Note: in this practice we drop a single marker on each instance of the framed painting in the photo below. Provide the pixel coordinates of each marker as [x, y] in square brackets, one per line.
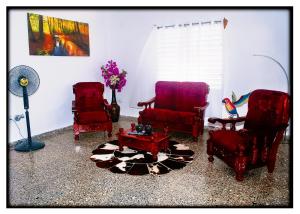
[49, 36]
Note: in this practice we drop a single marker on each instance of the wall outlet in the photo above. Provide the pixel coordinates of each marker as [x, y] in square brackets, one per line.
[18, 117]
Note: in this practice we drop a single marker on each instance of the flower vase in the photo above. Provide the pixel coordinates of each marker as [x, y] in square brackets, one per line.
[115, 108]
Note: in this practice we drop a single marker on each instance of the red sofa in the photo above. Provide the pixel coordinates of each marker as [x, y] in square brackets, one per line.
[91, 110]
[178, 105]
[257, 143]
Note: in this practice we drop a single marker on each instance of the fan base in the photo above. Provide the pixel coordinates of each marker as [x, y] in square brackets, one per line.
[24, 146]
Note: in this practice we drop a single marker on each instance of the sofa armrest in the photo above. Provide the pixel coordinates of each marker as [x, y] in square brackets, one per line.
[224, 121]
[147, 104]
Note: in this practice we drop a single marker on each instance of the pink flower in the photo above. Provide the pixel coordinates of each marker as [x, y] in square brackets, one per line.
[112, 76]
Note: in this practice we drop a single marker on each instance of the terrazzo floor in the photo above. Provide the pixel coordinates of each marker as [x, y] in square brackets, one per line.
[62, 175]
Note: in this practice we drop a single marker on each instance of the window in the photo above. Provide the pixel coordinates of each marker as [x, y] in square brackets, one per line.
[192, 53]
[182, 53]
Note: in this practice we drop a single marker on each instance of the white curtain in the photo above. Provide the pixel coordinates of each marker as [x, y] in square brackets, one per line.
[191, 53]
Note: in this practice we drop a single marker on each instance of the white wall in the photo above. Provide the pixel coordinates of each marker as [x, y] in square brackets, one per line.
[121, 34]
[50, 106]
[248, 32]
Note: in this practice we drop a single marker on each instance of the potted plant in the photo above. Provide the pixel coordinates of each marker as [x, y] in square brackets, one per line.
[116, 80]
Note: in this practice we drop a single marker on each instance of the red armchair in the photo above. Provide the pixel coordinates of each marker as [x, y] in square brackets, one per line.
[256, 144]
[178, 105]
[91, 111]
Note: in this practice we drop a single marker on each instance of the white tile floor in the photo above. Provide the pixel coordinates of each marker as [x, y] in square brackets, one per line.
[62, 174]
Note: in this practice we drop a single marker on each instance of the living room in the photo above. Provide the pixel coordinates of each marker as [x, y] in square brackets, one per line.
[250, 49]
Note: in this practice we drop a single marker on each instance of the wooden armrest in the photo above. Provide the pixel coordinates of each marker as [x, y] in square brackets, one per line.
[149, 102]
[106, 104]
[73, 106]
[201, 108]
[225, 121]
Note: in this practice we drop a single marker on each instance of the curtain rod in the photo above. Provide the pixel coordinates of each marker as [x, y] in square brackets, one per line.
[225, 21]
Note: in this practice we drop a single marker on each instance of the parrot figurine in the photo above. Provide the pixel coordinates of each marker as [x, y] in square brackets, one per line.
[231, 105]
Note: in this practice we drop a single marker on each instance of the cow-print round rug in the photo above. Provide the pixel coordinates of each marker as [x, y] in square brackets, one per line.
[136, 162]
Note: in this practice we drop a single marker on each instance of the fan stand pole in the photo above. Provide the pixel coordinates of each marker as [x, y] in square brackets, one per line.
[29, 140]
[28, 145]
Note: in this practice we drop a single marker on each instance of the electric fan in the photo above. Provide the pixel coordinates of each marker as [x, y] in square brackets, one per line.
[23, 82]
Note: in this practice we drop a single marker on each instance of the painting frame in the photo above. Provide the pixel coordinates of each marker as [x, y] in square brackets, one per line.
[51, 36]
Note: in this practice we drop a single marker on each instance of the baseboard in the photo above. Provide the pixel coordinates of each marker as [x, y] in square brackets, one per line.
[286, 139]
[43, 135]
[128, 117]
[60, 130]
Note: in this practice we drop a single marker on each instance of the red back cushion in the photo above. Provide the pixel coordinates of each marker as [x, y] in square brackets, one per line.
[165, 94]
[267, 110]
[180, 96]
[190, 95]
[88, 96]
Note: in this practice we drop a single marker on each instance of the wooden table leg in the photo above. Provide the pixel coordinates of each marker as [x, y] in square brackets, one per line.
[154, 154]
[120, 143]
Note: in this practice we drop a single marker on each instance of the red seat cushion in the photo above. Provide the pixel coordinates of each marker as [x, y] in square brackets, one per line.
[92, 117]
[168, 116]
[227, 139]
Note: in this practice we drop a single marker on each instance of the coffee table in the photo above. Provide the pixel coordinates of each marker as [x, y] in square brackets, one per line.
[153, 143]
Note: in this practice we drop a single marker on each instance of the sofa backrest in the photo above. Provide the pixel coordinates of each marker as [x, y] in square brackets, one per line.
[165, 94]
[88, 96]
[180, 96]
[267, 110]
[266, 119]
